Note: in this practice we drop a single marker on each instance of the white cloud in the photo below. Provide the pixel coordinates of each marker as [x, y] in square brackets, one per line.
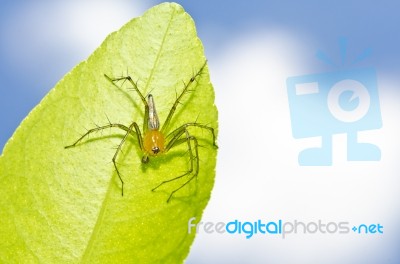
[66, 31]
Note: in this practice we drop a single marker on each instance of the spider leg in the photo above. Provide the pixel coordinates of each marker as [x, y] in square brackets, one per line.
[135, 87]
[128, 131]
[196, 157]
[95, 130]
[178, 132]
[119, 149]
[193, 166]
[178, 99]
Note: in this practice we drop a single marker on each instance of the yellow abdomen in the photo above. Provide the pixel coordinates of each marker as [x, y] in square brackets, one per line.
[153, 142]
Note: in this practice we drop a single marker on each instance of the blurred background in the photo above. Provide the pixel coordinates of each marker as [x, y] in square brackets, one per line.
[252, 47]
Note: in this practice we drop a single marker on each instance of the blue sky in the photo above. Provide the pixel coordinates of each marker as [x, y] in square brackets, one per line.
[34, 57]
[252, 48]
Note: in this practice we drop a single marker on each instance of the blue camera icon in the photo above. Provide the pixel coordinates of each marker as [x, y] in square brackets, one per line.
[330, 103]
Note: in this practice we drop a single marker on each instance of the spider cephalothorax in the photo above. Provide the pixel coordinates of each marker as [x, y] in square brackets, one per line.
[154, 141]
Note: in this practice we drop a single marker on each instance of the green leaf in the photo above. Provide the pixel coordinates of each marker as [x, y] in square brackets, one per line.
[64, 205]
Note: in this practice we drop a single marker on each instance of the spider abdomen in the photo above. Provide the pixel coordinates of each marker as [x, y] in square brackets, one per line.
[153, 142]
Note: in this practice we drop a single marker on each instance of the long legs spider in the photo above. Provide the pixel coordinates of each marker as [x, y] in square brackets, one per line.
[154, 142]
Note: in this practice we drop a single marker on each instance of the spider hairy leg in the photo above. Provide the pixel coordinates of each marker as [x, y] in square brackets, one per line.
[178, 99]
[180, 130]
[136, 89]
[133, 125]
[128, 130]
[95, 130]
[194, 166]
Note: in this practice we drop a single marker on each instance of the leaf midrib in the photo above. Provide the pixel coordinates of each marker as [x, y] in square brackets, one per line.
[100, 218]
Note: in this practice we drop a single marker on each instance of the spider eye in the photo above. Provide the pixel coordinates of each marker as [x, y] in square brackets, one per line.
[155, 150]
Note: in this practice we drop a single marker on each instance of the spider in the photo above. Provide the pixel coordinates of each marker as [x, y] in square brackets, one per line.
[155, 141]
